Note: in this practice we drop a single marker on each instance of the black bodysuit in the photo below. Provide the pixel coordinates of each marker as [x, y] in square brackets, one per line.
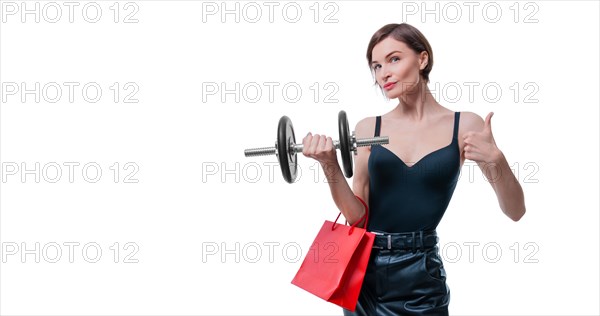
[405, 275]
[406, 199]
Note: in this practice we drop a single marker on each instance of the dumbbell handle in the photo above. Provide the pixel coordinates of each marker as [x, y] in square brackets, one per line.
[362, 142]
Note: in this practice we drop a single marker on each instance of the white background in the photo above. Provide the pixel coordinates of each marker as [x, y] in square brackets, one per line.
[197, 196]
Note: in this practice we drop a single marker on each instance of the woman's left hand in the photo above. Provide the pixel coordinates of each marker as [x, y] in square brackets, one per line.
[480, 146]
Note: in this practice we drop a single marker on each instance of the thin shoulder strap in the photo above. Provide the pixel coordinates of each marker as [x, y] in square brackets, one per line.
[456, 120]
[377, 125]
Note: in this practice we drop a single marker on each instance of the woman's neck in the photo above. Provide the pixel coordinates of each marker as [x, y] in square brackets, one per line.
[417, 106]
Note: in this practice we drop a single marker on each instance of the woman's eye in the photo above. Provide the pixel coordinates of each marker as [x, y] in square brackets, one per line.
[376, 66]
[395, 58]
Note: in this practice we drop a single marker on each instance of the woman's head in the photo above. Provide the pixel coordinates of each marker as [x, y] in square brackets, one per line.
[399, 56]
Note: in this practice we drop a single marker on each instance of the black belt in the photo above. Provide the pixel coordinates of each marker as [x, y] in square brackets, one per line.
[405, 241]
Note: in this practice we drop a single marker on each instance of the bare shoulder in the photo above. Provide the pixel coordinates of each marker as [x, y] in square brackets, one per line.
[470, 121]
[365, 127]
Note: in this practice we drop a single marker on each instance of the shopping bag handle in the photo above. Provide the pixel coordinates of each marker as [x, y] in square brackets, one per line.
[365, 217]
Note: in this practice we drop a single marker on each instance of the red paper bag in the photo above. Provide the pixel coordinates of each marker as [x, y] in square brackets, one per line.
[334, 267]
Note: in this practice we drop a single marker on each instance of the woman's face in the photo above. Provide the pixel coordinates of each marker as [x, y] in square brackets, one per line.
[396, 67]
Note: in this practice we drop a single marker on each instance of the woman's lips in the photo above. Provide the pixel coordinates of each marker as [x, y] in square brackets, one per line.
[389, 86]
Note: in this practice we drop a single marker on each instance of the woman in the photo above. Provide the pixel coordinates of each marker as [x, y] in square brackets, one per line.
[408, 183]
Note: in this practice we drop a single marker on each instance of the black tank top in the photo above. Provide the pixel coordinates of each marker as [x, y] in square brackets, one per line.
[406, 199]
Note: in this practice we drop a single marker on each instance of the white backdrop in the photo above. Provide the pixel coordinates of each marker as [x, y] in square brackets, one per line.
[125, 190]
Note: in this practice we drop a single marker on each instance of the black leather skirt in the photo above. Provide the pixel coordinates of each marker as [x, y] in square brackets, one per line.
[405, 276]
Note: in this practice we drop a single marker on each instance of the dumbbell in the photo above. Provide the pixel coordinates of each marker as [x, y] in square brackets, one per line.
[286, 148]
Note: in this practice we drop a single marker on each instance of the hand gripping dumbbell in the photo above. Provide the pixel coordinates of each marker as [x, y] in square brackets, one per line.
[286, 148]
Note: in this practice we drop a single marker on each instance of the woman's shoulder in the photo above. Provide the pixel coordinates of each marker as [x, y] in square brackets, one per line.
[365, 127]
[470, 121]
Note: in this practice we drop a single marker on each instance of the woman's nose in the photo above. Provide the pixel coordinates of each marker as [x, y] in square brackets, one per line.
[385, 73]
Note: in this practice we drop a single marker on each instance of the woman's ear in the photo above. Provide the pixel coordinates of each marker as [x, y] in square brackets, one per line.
[423, 60]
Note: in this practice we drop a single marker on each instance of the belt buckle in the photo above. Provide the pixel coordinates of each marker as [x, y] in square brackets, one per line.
[389, 240]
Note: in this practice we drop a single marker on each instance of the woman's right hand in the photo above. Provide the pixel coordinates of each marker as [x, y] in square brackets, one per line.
[320, 148]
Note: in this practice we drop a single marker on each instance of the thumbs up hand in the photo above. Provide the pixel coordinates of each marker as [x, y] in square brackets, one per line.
[480, 146]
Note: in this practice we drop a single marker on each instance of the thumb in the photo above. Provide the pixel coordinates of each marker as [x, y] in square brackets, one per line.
[488, 122]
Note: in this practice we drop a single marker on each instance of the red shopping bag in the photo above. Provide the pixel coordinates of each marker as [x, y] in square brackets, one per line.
[334, 267]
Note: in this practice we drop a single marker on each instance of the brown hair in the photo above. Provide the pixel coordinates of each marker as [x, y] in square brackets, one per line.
[407, 34]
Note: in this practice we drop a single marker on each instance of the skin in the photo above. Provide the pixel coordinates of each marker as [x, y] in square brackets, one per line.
[417, 126]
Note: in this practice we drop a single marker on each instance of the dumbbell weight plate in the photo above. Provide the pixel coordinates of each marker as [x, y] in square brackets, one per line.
[345, 143]
[285, 154]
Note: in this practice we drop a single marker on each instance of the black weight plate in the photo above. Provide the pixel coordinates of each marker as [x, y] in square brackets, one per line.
[285, 142]
[345, 143]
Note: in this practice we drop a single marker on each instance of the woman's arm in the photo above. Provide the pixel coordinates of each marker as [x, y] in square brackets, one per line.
[344, 197]
[508, 190]
[479, 146]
